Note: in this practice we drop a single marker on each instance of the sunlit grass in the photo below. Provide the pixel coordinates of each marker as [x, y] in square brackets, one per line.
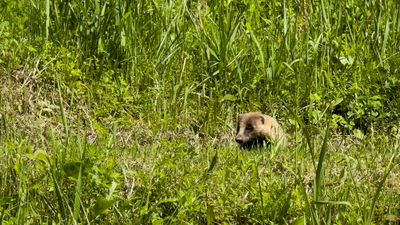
[123, 112]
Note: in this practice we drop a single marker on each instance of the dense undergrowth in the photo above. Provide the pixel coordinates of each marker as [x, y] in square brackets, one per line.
[124, 111]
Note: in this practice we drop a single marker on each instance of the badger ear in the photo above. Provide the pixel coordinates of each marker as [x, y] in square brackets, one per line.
[262, 119]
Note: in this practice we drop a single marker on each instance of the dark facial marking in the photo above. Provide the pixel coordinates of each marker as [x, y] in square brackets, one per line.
[249, 127]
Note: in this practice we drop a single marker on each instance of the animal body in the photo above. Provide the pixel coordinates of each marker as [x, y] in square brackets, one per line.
[256, 129]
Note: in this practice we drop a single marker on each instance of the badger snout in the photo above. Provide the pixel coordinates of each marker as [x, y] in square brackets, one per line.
[239, 139]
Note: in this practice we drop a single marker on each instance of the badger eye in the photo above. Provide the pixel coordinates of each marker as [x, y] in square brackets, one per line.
[249, 127]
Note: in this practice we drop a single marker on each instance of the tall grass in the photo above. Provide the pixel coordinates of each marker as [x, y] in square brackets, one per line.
[236, 52]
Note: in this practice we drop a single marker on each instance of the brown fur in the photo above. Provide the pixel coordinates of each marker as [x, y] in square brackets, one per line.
[255, 129]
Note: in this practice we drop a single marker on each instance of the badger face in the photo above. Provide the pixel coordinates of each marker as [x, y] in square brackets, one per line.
[250, 130]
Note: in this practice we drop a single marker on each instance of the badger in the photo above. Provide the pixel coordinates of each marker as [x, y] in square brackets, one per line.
[257, 130]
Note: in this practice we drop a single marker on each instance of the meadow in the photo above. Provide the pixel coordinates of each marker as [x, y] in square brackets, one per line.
[124, 112]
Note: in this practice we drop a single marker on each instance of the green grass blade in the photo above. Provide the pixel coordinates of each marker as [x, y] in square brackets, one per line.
[319, 172]
[77, 201]
[62, 110]
[379, 189]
